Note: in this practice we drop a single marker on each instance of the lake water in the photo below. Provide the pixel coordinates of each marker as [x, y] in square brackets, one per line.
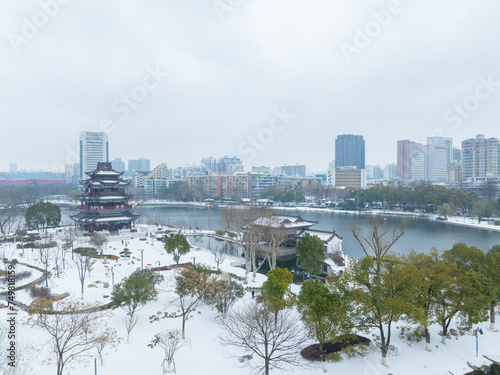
[420, 234]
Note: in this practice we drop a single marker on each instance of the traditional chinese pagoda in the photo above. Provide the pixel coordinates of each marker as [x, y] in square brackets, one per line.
[104, 205]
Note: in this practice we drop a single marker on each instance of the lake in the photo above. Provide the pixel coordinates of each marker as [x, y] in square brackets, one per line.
[420, 234]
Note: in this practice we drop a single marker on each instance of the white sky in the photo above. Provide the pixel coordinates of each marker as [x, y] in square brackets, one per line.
[229, 72]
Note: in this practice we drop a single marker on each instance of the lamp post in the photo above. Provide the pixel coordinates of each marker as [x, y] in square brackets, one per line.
[142, 251]
[112, 278]
[477, 331]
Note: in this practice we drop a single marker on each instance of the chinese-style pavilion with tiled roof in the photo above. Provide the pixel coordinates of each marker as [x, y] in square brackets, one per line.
[104, 206]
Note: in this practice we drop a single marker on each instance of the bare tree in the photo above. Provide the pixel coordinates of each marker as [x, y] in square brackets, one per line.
[98, 240]
[253, 329]
[75, 329]
[219, 256]
[46, 254]
[275, 235]
[239, 220]
[9, 214]
[108, 338]
[379, 238]
[84, 264]
[170, 342]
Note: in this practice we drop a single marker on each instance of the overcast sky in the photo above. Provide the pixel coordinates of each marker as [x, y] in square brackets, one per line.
[269, 81]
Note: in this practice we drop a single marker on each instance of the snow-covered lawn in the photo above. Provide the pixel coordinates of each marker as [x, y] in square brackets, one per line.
[205, 355]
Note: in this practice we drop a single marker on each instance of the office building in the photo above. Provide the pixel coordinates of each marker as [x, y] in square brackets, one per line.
[350, 177]
[94, 149]
[411, 160]
[350, 151]
[439, 152]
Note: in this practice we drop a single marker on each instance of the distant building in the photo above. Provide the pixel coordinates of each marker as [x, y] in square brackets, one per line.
[162, 172]
[227, 165]
[142, 164]
[350, 177]
[118, 165]
[480, 157]
[330, 177]
[374, 172]
[262, 169]
[350, 151]
[72, 173]
[438, 156]
[298, 170]
[391, 171]
[454, 171]
[457, 155]
[94, 149]
[12, 168]
[411, 160]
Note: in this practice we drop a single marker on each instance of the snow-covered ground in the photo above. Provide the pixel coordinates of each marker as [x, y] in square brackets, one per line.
[205, 355]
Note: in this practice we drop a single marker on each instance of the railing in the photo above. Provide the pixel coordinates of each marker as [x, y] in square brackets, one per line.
[104, 208]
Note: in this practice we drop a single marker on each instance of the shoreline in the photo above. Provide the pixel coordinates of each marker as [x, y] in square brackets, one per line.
[452, 220]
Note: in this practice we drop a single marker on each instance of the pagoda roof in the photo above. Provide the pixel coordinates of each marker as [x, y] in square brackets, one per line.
[106, 195]
[104, 169]
[102, 217]
[280, 221]
[323, 235]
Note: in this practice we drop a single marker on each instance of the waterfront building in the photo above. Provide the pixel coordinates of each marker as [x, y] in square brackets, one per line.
[350, 177]
[411, 160]
[350, 151]
[104, 206]
[94, 149]
[439, 154]
[279, 235]
[454, 171]
[480, 157]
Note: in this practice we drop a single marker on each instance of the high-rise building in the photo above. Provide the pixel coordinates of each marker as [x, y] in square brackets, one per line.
[210, 163]
[94, 148]
[12, 168]
[142, 165]
[391, 171]
[411, 160]
[263, 169]
[374, 172]
[480, 157]
[161, 172]
[350, 151]
[298, 170]
[439, 156]
[228, 165]
[118, 165]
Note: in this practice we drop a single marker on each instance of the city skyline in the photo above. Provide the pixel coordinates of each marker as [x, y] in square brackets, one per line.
[269, 82]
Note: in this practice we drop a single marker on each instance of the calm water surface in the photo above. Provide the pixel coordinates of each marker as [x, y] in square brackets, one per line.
[420, 234]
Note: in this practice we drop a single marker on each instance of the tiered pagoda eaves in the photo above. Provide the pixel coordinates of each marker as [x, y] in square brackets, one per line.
[104, 205]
